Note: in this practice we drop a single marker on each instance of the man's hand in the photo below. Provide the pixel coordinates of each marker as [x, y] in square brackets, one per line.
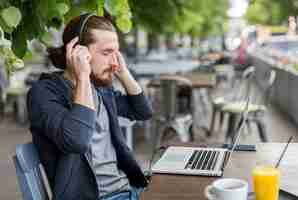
[120, 70]
[78, 66]
[124, 76]
[78, 60]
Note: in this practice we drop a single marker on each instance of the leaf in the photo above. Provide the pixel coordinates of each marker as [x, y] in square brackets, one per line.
[32, 22]
[62, 8]
[11, 61]
[16, 63]
[120, 9]
[89, 5]
[113, 6]
[47, 38]
[74, 11]
[44, 7]
[100, 7]
[1, 33]
[12, 16]
[124, 24]
[5, 27]
[56, 14]
[28, 56]
[19, 42]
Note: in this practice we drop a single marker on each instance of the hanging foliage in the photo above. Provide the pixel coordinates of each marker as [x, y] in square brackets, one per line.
[24, 20]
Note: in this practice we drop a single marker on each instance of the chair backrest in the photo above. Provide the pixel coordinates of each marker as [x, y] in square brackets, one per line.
[28, 169]
[243, 89]
[271, 77]
[248, 72]
[263, 98]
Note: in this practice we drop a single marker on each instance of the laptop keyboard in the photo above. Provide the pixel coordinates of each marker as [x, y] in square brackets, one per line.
[203, 160]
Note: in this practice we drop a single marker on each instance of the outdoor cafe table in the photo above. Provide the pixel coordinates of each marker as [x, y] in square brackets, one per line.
[197, 79]
[200, 82]
[183, 187]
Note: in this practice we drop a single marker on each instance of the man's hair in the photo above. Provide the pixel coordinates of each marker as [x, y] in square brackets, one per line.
[57, 54]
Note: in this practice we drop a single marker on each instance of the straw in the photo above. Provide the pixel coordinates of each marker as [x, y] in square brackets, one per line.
[283, 152]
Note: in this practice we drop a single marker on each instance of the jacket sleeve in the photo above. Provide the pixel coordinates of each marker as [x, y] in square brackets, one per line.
[70, 129]
[133, 107]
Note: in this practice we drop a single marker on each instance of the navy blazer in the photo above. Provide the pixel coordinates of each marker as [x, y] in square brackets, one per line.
[62, 132]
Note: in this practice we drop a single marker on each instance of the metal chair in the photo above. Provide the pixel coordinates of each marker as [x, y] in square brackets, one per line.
[256, 109]
[127, 126]
[32, 181]
[234, 94]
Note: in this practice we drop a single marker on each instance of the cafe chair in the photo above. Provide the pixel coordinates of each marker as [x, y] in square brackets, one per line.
[127, 127]
[235, 93]
[256, 109]
[31, 177]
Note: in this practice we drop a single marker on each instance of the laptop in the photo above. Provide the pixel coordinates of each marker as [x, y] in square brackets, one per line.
[192, 161]
[198, 161]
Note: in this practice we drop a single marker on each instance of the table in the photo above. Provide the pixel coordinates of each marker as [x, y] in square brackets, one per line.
[192, 86]
[198, 82]
[202, 80]
[196, 79]
[172, 66]
[182, 187]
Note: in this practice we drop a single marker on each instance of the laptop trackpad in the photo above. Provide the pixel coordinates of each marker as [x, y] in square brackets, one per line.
[174, 158]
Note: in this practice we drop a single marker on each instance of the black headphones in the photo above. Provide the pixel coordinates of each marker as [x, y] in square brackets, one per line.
[81, 27]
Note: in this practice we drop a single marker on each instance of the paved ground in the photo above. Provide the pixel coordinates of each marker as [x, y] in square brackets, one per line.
[11, 134]
[279, 129]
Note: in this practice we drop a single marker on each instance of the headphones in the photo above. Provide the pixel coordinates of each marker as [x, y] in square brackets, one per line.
[81, 27]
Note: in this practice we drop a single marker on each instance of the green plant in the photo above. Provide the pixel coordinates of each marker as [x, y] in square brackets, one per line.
[24, 20]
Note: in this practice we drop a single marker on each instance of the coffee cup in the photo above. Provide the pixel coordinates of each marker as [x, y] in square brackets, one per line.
[227, 189]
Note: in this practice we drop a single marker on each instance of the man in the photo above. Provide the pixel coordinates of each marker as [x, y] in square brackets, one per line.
[73, 116]
[292, 26]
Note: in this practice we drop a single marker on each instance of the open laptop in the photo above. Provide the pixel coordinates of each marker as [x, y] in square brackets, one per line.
[198, 161]
[204, 161]
[192, 161]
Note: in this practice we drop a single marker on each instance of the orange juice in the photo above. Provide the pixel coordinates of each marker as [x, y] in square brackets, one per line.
[266, 182]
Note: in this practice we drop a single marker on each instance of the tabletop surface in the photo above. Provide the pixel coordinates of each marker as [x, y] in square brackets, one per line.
[164, 186]
[197, 79]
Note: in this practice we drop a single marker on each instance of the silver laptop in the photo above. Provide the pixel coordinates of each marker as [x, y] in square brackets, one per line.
[198, 161]
[192, 161]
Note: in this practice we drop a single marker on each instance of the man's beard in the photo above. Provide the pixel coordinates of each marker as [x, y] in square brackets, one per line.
[99, 82]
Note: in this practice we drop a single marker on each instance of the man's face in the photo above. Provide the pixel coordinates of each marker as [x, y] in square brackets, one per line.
[103, 51]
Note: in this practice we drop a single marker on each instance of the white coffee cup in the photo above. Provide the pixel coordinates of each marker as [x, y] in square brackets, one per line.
[227, 189]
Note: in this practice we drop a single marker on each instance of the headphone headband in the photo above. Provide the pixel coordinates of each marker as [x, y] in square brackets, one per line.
[81, 28]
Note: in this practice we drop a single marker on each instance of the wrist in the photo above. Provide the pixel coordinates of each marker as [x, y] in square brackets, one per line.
[82, 79]
[124, 75]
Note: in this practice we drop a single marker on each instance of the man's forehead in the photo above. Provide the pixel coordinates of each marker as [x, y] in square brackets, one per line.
[105, 39]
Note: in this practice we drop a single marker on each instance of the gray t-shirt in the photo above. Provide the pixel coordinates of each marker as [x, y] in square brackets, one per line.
[109, 177]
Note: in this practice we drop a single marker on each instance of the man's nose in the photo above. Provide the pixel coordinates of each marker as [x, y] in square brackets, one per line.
[114, 60]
